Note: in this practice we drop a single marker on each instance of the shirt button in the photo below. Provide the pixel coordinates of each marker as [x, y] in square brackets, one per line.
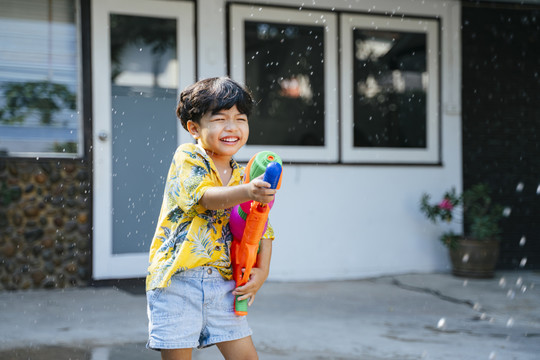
[209, 271]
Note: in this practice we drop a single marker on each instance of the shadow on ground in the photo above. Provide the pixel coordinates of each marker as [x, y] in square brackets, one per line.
[139, 352]
[126, 351]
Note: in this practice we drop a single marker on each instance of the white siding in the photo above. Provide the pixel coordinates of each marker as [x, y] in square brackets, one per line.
[353, 221]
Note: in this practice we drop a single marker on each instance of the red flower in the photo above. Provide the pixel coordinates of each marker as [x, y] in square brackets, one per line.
[446, 204]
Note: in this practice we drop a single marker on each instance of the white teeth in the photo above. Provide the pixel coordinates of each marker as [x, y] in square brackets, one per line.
[229, 139]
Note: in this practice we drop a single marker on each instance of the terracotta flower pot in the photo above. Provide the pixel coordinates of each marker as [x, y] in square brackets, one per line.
[474, 259]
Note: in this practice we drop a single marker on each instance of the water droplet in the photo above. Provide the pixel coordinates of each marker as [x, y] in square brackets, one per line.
[510, 322]
[522, 241]
[502, 282]
[523, 262]
[441, 324]
[465, 258]
[492, 355]
[510, 294]
[507, 211]
[519, 187]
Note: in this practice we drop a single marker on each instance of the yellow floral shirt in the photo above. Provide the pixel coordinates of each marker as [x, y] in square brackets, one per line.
[187, 234]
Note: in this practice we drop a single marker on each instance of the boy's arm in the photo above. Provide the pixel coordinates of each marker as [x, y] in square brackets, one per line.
[224, 197]
[259, 274]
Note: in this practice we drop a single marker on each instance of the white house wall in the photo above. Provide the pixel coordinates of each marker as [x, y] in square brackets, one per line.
[352, 221]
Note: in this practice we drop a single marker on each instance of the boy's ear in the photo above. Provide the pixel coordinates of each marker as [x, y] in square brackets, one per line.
[194, 129]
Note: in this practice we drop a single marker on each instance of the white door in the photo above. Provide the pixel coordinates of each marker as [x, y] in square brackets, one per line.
[143, 52]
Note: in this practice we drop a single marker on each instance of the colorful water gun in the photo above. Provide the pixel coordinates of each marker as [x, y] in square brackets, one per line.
[249, 220]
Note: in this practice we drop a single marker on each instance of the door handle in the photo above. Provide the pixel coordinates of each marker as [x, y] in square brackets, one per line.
[103, 136]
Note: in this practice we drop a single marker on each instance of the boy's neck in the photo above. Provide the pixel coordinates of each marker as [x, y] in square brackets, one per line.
[222, 164]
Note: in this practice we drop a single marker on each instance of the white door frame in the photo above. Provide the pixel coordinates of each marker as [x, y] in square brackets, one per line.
[107, 265]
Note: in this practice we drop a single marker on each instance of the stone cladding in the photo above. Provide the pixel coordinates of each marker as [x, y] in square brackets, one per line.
[45, 225]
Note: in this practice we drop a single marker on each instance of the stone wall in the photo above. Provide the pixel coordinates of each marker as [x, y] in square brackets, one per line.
[45, 225]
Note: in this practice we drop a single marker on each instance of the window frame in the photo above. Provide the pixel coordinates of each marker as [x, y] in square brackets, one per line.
[431, 154]
[80, 94]
[238, 13]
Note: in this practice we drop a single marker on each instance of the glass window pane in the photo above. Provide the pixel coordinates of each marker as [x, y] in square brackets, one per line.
[390, 86]
[143, 89]
[285, 72]
[39, 78]
[143, 51]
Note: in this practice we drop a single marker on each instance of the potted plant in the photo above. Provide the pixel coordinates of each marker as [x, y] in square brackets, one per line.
[473, 253]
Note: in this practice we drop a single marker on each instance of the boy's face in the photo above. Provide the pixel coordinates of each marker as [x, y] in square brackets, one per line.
[222, 133]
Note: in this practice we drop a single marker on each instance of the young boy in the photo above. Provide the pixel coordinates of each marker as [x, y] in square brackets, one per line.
[190, 293]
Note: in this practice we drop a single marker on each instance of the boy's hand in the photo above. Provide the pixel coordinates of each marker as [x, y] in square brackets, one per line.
[256, 280]
[224, 197]
[259, 190]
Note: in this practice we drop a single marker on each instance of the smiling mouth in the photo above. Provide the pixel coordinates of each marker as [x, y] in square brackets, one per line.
[230, 140]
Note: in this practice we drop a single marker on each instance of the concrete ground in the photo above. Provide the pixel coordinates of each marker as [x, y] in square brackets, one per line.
[411, 316]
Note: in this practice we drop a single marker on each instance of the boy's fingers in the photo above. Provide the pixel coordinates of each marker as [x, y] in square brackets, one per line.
[259, 182]
[241, 290]
[244, 296]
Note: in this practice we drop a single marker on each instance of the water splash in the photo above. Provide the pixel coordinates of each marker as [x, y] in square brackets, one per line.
[511, 294]
[441, 324]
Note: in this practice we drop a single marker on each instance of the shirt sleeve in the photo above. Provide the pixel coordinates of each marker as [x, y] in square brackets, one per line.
[192, 177]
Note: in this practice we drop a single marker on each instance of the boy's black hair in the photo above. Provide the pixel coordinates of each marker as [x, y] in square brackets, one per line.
[212, 95]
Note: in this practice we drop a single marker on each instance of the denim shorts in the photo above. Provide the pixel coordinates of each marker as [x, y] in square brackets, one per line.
[195, 310]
